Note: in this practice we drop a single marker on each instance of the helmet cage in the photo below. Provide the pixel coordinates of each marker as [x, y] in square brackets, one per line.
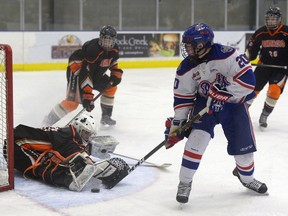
[196, 41]
[273, 18]
[107, 38]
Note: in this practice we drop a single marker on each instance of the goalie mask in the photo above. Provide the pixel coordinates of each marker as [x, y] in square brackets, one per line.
[197, 41]
[86, 127]
[107, 38]
[273, 18]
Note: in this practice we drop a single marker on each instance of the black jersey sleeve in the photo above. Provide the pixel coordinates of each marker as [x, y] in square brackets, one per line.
[254, 43]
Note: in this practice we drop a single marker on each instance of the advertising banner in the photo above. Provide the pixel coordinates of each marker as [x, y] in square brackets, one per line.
[148, 45]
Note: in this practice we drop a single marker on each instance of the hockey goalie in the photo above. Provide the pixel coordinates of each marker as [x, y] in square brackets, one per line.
[65, 157]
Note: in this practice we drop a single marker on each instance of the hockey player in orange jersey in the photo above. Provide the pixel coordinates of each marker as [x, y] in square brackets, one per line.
[87, 72]
[270, 42]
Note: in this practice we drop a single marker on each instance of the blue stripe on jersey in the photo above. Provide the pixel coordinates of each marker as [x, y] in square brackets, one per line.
[190, 164]
[246, 79]
[181, 101]
[185, 66]
[220, 51]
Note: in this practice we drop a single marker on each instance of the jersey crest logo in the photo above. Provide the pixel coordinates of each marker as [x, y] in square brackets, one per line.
[106, 62]
[221, 80]
[226, 49]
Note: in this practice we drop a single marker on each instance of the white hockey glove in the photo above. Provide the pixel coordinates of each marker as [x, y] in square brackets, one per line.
[101, 146]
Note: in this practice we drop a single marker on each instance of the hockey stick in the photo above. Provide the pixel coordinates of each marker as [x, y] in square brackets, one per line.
[179, 130]
[238, 42]
[150, 164]
[272, 66]
[94, 99]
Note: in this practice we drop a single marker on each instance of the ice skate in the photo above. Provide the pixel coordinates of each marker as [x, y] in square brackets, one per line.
[183, 192]
[263, 120]
[255, 185]
[107, 121]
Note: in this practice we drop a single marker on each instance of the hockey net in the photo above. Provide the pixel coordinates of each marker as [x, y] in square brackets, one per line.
[6, 119]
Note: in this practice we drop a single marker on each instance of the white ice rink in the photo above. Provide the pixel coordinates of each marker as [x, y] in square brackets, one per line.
[143, 102]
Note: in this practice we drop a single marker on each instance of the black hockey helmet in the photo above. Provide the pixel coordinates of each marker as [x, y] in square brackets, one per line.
[107, 38]
[273, 18]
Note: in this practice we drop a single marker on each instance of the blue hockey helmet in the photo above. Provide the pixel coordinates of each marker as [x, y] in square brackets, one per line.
[197, 40]
[273, 18]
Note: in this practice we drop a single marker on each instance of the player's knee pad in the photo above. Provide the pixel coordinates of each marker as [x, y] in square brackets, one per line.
[274, 91]
[68, 106]
[198, 140]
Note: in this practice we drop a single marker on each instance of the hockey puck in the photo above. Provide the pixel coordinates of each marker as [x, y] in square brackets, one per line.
[95, 190]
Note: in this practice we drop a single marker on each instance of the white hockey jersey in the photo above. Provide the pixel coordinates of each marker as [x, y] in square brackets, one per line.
[224, 65]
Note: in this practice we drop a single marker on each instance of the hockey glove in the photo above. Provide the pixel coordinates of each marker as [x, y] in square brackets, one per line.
[171, 137]
[88, 102]
[116, 76]
[217, 97]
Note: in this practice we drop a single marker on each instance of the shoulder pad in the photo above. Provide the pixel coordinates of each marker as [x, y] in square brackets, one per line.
[185, 66]
[221, 51]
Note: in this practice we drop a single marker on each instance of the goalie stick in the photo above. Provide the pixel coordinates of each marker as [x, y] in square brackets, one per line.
[179, 130]
[150, 164]
[94, 99]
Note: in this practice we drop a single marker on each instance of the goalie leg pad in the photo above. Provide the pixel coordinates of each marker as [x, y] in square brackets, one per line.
[81, 172]
[110, 171]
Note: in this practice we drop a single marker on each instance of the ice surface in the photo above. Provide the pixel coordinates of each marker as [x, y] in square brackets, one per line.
[143, 102]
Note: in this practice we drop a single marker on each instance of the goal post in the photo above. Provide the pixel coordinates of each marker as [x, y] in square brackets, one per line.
[6, 119]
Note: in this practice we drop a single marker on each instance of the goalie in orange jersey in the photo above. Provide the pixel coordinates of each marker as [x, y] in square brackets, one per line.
[61, 156]
[270, 43]
[87, 72]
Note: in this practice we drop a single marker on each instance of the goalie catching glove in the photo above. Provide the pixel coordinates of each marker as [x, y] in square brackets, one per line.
[217, 97]
[101, 146]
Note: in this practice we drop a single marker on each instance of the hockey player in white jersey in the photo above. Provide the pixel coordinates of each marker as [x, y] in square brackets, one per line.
[222, 79]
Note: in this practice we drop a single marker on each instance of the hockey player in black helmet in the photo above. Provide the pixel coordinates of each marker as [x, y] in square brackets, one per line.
[273, 18]
[107, 38]
[86, 72]
[270, 44]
